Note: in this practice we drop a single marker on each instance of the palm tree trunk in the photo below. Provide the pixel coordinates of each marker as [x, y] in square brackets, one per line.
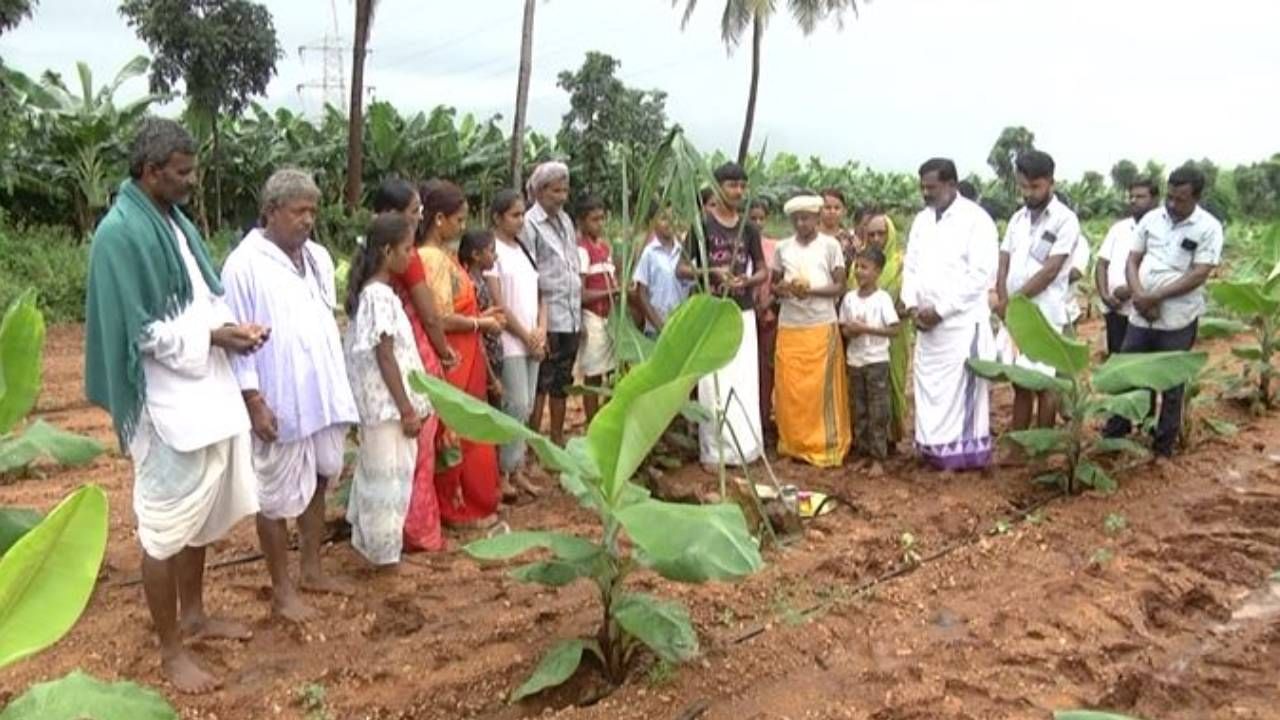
[355, 121]
[522, 94]
[757, 33]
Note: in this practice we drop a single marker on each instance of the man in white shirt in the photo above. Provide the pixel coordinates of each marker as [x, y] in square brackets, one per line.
[1113, 258]
[1034, 262]
[1175, 249]
[951, 259]
[296, 389]
[156, 357]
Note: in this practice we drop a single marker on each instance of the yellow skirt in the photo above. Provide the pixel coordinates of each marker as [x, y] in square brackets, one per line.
[811, 401]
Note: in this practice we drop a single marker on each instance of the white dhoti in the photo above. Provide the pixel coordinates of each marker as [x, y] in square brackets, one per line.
[595, 355]
[380, 492]
[953, 405]
[287, 472]
[184, 499]
[741, 377]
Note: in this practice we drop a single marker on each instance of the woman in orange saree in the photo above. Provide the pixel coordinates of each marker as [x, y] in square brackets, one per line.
[467, 491]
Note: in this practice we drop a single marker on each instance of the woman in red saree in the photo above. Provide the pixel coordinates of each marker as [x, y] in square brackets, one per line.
[422, 523]
[467, 492]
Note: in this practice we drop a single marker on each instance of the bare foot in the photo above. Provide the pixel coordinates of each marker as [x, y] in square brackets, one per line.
[325, 584]
[186, 675]
[509, 493]
[215, 628]
[524, 483]
[293, 610]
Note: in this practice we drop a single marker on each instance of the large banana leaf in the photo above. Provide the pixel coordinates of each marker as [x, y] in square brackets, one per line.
[661, 625]
[691, 543]
[1214, 327]
[14, 523]
[41, 439]
[1244, 298]
[556, 666]
[1156, 371]
[701, 337]
[1039, 441]
[1020, 376]
[1038, 340]
[504, 547]
[79, 696]
[1133, 405]
[477, 420]
[47, 576]
[21, 349]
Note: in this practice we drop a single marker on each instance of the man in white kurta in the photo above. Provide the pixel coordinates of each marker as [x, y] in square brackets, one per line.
[949, 266]
[156, 357]
[295, 388]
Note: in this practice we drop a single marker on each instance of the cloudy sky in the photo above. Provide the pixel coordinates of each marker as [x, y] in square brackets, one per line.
[1096, 80]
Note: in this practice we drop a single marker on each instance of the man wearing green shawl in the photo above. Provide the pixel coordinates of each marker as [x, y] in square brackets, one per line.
[877, 230]
[157, 338]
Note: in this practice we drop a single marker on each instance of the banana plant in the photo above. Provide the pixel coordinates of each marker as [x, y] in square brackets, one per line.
[1253, 304]
[87, 130]
[683, 543]
[21, 354]
[1121, 386]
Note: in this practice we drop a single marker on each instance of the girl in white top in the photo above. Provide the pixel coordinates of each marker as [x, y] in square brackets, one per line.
[513, 285]
[381, 354]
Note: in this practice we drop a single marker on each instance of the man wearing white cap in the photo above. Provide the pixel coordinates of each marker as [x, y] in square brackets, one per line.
[810, 401]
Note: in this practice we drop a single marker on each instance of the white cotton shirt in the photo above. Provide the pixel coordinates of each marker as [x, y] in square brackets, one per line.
[300, 371]
[1169, 249]
[875, 310]
[1030, 241]
[951, 263]
[518, 278]
[815, 262]
[1115, 250]
[193, 399]
[1080, 264]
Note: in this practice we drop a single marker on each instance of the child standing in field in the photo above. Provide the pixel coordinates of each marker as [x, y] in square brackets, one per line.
[869, 321]
[599, 285]
[477, 254]
[381, 353]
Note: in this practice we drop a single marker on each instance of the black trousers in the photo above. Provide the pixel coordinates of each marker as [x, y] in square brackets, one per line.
[1144, 339]
[1117, 326]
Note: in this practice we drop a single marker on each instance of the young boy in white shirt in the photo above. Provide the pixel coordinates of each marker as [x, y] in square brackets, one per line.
[868, 321]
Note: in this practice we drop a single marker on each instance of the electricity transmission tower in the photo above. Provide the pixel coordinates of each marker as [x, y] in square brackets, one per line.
[332, 83]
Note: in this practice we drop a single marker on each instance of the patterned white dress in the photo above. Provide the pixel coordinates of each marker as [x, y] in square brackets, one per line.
[383, 479]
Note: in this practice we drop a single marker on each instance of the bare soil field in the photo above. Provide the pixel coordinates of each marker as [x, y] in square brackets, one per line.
[1011, 602]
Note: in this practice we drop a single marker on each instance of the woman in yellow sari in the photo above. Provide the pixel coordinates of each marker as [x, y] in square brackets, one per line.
[877, 230]
[468, 492]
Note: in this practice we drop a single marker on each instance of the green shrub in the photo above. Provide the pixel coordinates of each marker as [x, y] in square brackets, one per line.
[50, 259]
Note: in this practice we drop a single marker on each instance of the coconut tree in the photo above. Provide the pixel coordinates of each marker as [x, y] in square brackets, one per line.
[738, 15]
[355, 126]
[522, 92]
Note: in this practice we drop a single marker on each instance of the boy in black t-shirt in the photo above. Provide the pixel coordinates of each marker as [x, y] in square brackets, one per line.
[734, 265]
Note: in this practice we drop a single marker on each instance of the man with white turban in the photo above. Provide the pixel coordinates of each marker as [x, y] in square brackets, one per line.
[295, 389]
[810, 398]
[550, 238]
